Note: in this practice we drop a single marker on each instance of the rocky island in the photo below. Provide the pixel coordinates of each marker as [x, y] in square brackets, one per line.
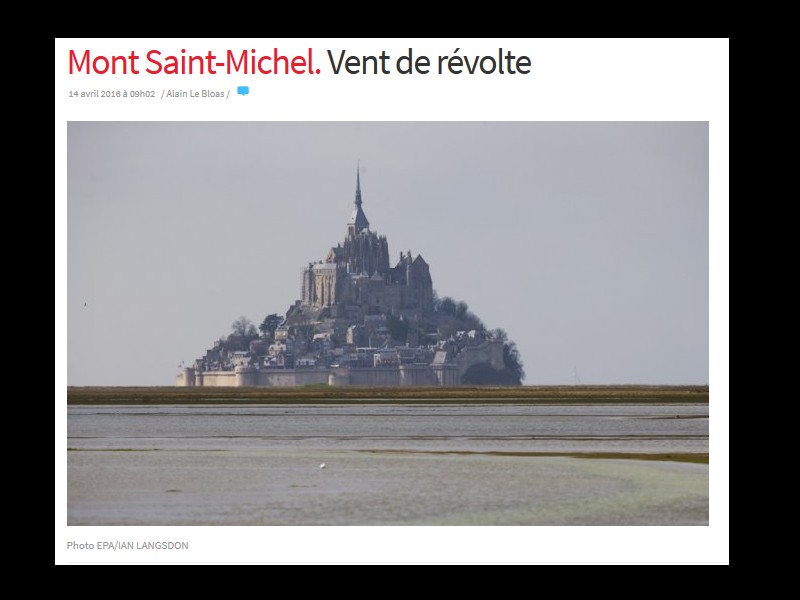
[362, 322]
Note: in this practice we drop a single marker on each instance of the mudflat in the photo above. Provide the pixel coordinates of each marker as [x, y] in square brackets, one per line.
[388, 463]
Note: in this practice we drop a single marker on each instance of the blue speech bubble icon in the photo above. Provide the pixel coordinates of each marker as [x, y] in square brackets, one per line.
[243, 90]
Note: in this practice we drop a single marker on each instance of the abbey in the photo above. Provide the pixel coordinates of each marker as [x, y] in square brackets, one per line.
[364, 320]
[356, 277]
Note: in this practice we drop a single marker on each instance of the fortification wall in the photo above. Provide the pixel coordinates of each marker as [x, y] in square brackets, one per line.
[292, 377]
[488, 351]
[375, 377]
[446, 375]
[219, 379]
[417, 375]
[185, 378]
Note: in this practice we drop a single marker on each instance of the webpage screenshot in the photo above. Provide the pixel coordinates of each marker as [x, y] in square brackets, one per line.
[391, 301]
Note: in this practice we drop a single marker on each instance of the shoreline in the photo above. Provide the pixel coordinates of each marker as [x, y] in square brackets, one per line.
[619, 394]
[688, 457]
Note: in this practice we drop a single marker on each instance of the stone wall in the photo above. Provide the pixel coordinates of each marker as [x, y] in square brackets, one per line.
[219, 379]
[292, 377]
[417, 375]
[421, 375]
[368, 377]
[446, 375]
[491, 352]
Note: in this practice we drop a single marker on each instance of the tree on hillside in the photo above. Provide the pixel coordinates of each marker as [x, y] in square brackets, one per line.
[500, 335]
[472, 321]
[269, 325]
[448, 306]
[513, 360]
[398, 328]
[243, 327]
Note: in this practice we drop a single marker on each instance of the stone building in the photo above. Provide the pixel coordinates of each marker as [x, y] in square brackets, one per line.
[356, 273]
[359, 321]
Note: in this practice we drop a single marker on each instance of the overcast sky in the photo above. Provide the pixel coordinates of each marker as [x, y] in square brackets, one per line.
[586, 242]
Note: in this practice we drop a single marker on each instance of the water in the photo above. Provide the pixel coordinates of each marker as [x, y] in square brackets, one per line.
[385, 464]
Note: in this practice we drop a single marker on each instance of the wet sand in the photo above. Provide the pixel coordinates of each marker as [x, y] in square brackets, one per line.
[544, 465]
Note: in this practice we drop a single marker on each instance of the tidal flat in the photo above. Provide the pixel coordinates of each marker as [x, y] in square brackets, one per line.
[464, 462]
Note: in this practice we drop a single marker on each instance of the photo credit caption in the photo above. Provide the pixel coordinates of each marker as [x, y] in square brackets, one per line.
[114, 545]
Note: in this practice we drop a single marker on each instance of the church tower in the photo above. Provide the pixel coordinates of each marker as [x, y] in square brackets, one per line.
[363, 252]
[358, 220]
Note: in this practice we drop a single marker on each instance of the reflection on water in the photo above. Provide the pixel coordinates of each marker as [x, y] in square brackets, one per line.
[228, 464]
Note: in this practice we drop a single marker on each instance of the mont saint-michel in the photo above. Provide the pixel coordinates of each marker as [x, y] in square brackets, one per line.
[360, 321]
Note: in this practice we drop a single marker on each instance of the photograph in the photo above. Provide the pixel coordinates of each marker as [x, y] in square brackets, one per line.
[387, 323]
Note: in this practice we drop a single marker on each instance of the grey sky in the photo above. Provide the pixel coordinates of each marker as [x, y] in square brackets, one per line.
[587, 242]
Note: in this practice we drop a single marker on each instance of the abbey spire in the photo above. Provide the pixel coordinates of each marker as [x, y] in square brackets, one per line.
[358, 220]
[358, 186]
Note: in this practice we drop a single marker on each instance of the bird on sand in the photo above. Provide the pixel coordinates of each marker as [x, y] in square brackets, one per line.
[322, 466]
